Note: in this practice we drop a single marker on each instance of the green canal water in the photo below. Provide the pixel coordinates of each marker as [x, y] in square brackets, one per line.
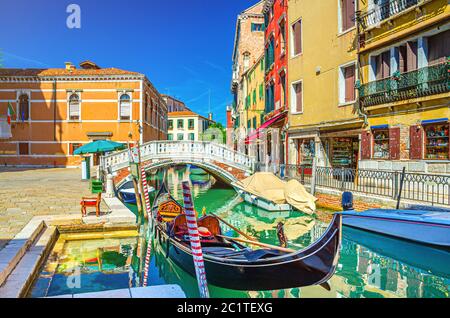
[370, 266]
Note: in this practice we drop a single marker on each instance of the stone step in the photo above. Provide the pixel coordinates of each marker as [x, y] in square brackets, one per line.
[162, 291]
[13, 252]
[20, 279]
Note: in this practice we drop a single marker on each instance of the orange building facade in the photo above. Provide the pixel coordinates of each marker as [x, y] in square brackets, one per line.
[59, 110]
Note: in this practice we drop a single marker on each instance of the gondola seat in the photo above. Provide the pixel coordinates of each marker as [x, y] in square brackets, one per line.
[180, 228]
[262, 254]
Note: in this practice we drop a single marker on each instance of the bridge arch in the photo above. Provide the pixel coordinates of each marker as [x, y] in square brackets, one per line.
[226, 165]
[216, 171]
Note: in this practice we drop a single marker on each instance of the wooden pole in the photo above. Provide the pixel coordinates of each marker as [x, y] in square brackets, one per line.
[143, 186]
[233, 228]
[314, 176]
[194, 237]
[273, 247]
[135, 186]
[399, 198]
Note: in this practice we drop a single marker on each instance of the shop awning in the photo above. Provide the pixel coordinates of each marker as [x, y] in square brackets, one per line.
[434, 121]
[267, 124]
[380, 127]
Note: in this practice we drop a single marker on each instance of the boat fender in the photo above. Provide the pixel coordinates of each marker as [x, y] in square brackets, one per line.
[347, 201]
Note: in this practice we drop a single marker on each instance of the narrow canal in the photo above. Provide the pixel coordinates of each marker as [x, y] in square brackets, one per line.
[371, 265]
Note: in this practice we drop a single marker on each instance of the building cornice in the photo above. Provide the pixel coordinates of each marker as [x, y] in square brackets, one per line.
[22, 79]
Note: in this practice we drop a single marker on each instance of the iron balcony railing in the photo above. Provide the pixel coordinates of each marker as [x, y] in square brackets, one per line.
[426, 81]
[385, 9]
[418, 187]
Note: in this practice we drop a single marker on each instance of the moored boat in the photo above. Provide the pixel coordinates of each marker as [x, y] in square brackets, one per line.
[268, 192]
[128, 195]
[426, 227]
[229, 264]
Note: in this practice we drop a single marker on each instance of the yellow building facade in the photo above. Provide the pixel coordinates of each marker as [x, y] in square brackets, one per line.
[404, 85]
[323, 120]
[253, 99]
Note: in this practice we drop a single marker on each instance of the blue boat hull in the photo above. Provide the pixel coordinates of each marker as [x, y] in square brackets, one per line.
[128, 198]
[422, 227]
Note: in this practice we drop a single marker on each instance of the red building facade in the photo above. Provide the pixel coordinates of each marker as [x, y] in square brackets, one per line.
[276, 61]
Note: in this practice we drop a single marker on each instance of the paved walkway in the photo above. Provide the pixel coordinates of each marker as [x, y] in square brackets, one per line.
[25, 193]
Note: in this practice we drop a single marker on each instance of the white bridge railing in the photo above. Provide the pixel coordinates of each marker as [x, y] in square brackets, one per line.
[179, 151]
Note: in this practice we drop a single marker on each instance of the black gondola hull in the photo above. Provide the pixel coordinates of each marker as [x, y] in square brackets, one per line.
[312, 266]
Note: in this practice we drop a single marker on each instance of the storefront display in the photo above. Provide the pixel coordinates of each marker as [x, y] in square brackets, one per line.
[437, 141]
[345, 152]
[307, 151]
[381, 144]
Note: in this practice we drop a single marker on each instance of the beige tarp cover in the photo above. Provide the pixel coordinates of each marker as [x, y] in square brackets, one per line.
[270, 187]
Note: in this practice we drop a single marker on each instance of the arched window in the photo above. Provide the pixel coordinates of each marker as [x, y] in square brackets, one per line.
[125, 107]
[246, 60]
[24, 107]
[74, 107]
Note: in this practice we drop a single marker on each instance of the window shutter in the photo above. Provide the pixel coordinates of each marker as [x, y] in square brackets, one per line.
[299, 97]
[394, 143]
[74, 110]
[379, 66]
[349, 83]
[344, 14]
[366, 145]
[439, 47]
[24, 149]
[402, 59]
[416, 143]
[298, 37]
[125, 110]
[386, 60]
[349, 12]
[411, 56]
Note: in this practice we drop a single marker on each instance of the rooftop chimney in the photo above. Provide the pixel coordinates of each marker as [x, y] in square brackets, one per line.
[210, 116]
[70, 66]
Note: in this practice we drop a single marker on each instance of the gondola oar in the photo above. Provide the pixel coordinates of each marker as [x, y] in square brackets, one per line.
[232, 227]
[273, 247]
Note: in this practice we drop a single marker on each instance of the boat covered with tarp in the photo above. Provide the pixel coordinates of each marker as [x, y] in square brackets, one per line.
[265, 190]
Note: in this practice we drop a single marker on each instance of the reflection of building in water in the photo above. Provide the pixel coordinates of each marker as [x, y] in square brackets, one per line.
[391, 278]
[318, 230]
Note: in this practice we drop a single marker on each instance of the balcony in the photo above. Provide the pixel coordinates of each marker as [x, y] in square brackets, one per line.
[383, 11]
[427, 81]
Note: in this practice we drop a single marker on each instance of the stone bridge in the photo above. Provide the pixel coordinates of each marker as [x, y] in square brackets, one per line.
[224, 164]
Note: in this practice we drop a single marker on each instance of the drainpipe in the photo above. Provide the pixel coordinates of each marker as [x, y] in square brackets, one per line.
[359, 110]
[54, 109]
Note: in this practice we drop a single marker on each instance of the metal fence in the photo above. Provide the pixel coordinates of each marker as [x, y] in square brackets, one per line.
[385, 9]
[428, 188]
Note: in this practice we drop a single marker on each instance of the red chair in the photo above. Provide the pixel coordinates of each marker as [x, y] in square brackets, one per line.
[91, 202]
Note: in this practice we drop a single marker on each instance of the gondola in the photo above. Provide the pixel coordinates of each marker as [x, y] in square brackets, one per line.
[231, 265]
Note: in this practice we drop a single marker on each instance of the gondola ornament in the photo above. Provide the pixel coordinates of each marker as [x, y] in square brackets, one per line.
[194, 237]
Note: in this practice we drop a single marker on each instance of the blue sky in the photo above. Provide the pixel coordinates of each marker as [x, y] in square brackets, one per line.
[183, 46]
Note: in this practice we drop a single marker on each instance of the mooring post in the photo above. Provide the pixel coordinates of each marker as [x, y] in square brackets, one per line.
[314, 176]
[194, 236]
